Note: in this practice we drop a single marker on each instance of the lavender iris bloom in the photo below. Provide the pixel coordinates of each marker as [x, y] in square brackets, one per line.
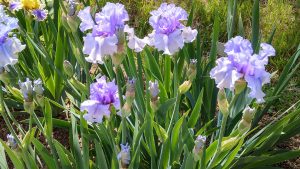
[9, 46]
[103, 94]
[169, 34]
[242, 63]
[105, 32]
[40, 14]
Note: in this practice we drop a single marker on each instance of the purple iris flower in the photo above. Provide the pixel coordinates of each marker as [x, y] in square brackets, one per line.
[106, 32]
[9, 46]
[103, 95]
[169, 34]
[103, 39]
[40, 14]
[241, 63]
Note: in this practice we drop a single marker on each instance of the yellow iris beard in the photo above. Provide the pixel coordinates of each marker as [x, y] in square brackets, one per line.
[30, 4]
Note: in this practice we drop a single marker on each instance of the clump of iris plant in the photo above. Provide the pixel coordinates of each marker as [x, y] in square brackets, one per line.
[106, 33]
[10, 45]
[243, 64]
[103, 95]
[169, 34]
[35, 7]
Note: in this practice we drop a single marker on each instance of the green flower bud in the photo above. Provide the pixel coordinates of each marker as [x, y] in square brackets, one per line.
[222, 102]
[248, 114]
[130, 91]
[245, 123]
[192, 71]
[68, 67]
[240, 85]
[185, 86]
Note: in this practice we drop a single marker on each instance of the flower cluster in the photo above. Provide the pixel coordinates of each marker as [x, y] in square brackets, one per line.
[242, 63]
[35, 7]
[107, 35]
[169, 34]
[9, 46]
[103, 95]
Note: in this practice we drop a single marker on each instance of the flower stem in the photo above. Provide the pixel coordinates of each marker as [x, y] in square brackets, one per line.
[219, 146]
[118, 73]
[222, 130]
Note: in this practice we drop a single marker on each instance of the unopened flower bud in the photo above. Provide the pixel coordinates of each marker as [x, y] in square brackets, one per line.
[38, 87]
[154, 90]
[248, 114]
[72, 6]
[68, 67]
[130, 91]
[192, 71]
[198, 148]
[185, 86]
[229, 143]
[39, 90]
[222, 102]
[124, 155]
[240, 85]
[245, 123]
[27, 90]
[11, 141]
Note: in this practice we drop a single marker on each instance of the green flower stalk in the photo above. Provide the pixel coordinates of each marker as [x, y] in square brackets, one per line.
[192, 72]
[224, 109]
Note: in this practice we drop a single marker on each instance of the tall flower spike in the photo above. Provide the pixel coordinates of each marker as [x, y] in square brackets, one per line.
[169, 34]
[243, 64]
[103, 94]
[9, 46]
